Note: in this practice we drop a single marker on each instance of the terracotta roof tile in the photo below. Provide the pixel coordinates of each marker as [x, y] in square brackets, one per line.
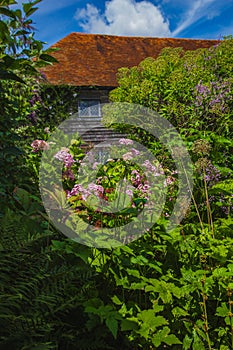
[94, 59]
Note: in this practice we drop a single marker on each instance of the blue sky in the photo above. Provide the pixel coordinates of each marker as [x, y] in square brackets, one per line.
[204, 19]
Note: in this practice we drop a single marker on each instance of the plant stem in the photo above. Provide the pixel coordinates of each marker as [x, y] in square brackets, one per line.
[230, 302]
[194, 201]
[205, 317]
[209, 214]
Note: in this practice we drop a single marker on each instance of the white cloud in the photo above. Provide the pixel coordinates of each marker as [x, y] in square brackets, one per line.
[124, 17]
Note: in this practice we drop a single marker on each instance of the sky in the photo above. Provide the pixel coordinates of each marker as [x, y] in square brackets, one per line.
[199, 19]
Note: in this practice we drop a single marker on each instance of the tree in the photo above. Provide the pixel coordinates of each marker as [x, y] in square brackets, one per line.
[21, 56]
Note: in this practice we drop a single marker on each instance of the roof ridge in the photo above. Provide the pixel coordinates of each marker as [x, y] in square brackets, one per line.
[133, 37]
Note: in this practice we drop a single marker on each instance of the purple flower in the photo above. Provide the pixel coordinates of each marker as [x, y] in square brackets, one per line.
[43, 75]
[157, 171]
[170, 180]
[65, 157]
[32, 116]
[78, 189]
[125, 141]
[97, 189]
[136, 178]
[135, 152]
[94, 187]
[212, 174]
[68, 174]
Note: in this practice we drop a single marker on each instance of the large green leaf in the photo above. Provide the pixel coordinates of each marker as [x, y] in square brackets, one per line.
[6, 12]
[4, 75]
[7, 2]
[48, 58]
[112, 325]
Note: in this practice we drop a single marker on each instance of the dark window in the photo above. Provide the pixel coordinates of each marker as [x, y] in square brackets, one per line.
[89, 108]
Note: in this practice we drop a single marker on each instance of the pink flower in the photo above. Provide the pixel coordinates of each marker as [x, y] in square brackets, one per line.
[125, 142]
[76, 190]
[129, 193]
[65, 157]
[127, 156]
[170, 180]
[39, 145]
[135, 152]
[136, 178]
[95, 165]
[97, 189]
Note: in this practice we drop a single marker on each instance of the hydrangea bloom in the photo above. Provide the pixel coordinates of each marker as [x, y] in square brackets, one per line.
[97, 189]
[127, 156]
[39, 145]
[125, 141]
[65, 157]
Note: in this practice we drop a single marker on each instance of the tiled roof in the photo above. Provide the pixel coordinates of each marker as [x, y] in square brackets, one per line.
[94, 59]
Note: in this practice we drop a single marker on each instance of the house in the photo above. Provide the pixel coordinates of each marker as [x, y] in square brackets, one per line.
[91, 62]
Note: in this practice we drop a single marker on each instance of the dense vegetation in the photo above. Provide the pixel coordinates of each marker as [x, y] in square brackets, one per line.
[163, 290]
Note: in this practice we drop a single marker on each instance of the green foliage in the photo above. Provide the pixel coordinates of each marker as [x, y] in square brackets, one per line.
[20, 57]
[192, 89]
[164, 290]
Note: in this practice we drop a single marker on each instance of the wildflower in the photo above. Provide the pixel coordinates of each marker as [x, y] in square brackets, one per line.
[212, 174]
[127, 156]
[201, 164]
[157, 171]
[129, 193]
[95, 165]
[68, 174]
[135, 178]
[47, 130]
[43, 76]
[76, 190]
[125, 141]
[32, 116]
[79, 190]
[201, 147]
[135, 152]
[39, 145]
[64, 156]
[97, 189]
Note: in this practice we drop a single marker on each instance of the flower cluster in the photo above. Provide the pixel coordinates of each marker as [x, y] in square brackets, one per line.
[39, 145]
[65, 157]
[216, 95]
[35, 98]
[131, 154]
[32, 117]
[83, 193]
[156, 171]
[211, 174]
[201, 147]
[125, 142]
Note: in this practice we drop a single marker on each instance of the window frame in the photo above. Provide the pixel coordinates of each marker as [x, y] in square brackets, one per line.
[89, 114]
